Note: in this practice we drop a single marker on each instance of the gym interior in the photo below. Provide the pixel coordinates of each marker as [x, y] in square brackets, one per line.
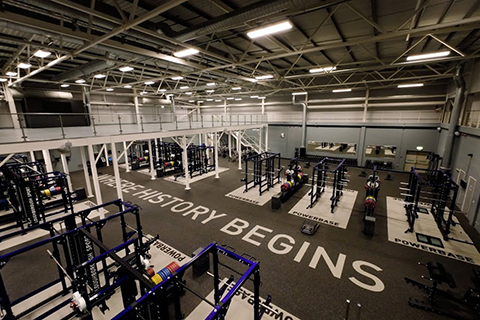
[239, 159]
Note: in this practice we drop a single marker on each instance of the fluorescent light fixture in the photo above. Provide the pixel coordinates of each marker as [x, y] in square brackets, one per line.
[274, 28]
[99, 76]
[254, 97]
[426, 56]
[110, 89]
[191, 100]
[218, 100]
[23, 65]
[143, 92]
[184, 87]
[149, 82]
[301, 93]
[267, 76]
[162, 90]
[177, 78]
[3, 79]
[201, 101]
[342, 90]
[410, 85]
[419, 148]
[211, 84]
[230, 98]
[65, 85]
[188, 93]
[11, 74]
[80, 81]
[184, 53]
[210, 91]
[323, 69]
[126, 69]
[262, 98]
[238, 99]
[42, 54]
[127, 86]
[237, 88]
[252, 80]
[209, 99]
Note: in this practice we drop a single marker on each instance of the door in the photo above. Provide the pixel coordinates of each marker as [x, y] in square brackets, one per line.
[467, 201]
[461, 191]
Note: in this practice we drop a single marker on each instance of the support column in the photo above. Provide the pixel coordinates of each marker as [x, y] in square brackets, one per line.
[239, 149]
[85, 171]
[150, 157]
[365, 105]
[32, 156]
[66, 171]
[361, 147]
[48, 160]
[230, 144]
[96, 184]
[137, 109]
[125, 156]
[216, 154]
[260, 140]
[116, 171]
[156, 150]
[11, 105]
[106, 155]
[266, 138]
[185, 162]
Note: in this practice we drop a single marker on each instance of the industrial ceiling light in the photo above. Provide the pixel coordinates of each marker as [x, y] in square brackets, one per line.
[80, 81]
[184, 53]
[65, 85]
[301, 93]
[99, 76]
[126, 69]
[230, 98]
[191, 100]
[209, 99]
[342, 90]
[149, 82]
[237, 88]
[143, 93]
[262, 98]
[419, 148]
[210, 91]
[177, 78]
[42, 54]
[238, 99]
[218, 100]
[201, 101]
[162, 90]
[110, 89]
[23, 65]
[211, 84]
[323, 69]
[11, 74]
[271, 29]
[427, 56]
[127, 86]
[254, 97]
[184, 87]
[267, 76]
[252, 80]
[188, 93]
[3, 79]
[410, 85]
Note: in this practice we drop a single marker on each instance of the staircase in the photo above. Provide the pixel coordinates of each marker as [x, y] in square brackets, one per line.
[249, 141]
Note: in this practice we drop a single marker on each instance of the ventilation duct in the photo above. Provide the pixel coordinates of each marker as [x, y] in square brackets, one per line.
[84, 70]
[249, 13]
[20, 94]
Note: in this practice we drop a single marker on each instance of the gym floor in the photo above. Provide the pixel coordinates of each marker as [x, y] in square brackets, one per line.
[306, 292]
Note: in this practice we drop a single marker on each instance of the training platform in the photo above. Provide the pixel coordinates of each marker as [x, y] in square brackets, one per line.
[321, 210]
[426, 235]
[35, 234]
[252, 196]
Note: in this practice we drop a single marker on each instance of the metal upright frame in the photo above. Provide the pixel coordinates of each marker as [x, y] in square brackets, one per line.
[266, 171]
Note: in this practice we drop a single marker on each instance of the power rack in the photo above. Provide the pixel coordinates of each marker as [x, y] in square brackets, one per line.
[266, 171]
